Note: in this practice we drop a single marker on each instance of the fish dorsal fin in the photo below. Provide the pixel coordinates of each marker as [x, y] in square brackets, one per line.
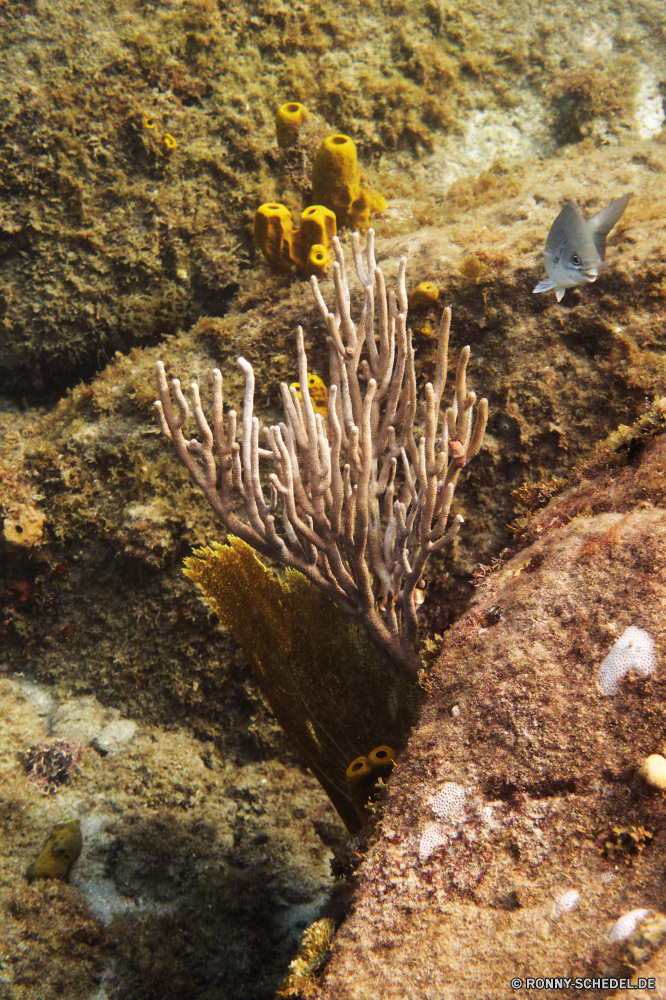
[600, 225]
[569, 227]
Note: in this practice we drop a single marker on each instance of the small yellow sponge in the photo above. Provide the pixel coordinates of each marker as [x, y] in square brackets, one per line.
[424, 295]
[360, 783]
[273, 234]
[288, 121]
[362, 777]
[314, 236]
[336, 183]
[318, 393]
[382, 761]
[60, 851]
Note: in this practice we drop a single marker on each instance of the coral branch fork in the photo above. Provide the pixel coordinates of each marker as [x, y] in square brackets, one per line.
[355, 502]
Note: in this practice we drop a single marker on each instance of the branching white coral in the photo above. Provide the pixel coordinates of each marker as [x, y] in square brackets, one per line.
[356, 504]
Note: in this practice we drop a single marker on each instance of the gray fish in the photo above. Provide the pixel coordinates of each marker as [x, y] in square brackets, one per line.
[576, 247]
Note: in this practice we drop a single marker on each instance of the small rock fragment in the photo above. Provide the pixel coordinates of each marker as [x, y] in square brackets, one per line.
[114, 736]
[653, 771]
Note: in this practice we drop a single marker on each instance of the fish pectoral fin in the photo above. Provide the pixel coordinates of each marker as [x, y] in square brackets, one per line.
[544, 286]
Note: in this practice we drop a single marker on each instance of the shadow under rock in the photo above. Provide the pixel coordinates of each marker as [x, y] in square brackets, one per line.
[212, 921]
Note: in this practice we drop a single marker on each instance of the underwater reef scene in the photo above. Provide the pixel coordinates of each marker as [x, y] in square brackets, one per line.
[171, 176]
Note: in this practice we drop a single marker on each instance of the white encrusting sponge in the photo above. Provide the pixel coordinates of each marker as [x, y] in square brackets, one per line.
[633, 651]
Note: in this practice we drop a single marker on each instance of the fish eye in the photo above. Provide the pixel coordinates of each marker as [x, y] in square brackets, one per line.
[575, 258]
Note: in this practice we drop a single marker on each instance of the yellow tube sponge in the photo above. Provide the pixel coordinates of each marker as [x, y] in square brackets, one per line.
[273, 234]
[288, 121]
[381, 761]
[360, 783]
[314, 236]
[336, 183]
[367, 204]
[307, 247]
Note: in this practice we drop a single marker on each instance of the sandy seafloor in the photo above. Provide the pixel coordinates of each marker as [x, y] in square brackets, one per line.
[206, 840]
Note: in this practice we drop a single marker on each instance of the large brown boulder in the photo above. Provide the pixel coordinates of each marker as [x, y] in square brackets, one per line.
[516, 831]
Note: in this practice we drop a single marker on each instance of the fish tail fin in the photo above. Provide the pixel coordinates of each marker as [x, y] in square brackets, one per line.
[601, 224]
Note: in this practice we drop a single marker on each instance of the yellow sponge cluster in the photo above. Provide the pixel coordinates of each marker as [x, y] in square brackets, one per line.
[59, 852]
[306, 247]
[362, 777]
[337, 192]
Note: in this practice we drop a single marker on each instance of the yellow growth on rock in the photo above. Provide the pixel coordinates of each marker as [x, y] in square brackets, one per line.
[316, 261]
[327, 688]
[362, 777]
[360, 783]
[273, 234]
[336, 183]
[59, 852]
[472, 268]
[24, 527]
[382, 761]
[318, 393]
[424, 295]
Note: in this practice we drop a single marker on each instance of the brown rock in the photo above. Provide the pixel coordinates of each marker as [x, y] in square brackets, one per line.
[552, 806]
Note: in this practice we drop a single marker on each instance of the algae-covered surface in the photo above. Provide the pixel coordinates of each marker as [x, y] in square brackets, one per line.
[517, 831]
[138, 140]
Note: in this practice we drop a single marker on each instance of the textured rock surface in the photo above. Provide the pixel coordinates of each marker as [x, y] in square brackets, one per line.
[516, 717]
[181, 851]
[475, 121]
[110, 239]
